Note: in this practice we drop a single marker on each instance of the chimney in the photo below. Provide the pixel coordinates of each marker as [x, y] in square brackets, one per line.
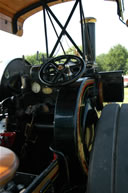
[89, 39]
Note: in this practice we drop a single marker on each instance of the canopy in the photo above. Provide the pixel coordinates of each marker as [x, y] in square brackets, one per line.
[13, 13]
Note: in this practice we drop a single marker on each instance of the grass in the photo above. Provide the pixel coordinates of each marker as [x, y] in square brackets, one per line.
[126, 95]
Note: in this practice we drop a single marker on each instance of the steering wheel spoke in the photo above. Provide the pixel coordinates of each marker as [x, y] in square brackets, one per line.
[67, 60]
[54, 65]
[56, 77]
[75, 69]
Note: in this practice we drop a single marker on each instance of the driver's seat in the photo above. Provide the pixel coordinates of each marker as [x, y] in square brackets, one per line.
[8, 165]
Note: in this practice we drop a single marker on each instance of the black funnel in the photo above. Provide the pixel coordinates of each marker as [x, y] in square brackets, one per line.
[89, 39]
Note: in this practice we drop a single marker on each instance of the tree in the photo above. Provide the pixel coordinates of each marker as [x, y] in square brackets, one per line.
[35, 59]
[73, 50]
[101, 62]
[116, 59]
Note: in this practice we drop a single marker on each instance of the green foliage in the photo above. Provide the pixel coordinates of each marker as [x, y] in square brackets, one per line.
[115, 59]
[34, 59]
[101, 62]
[73, 51]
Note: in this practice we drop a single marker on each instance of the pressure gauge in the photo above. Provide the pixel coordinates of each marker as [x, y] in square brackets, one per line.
[36, 87]
[47, 90]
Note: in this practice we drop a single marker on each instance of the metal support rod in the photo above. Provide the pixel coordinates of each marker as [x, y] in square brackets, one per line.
[45, 30]
[64, 29]
[55, 31]
[82, 30]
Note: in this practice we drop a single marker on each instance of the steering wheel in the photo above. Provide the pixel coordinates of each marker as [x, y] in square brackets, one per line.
[62, 70]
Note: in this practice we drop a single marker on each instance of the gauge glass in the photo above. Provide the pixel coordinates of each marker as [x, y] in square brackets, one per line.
[47, 90]
[36, 87]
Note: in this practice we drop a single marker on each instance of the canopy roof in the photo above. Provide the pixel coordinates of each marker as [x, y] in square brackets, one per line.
[13, 13]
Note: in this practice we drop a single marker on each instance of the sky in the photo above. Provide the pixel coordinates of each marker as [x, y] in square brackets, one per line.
[109, 30]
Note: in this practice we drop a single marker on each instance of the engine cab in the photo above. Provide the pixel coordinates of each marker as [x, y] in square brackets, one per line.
[49, 113]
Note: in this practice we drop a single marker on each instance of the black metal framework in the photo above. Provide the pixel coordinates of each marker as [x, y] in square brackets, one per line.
[47, 10]
[51, 16]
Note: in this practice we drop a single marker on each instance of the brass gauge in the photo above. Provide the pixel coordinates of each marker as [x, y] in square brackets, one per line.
[47, 90]
[36, 87]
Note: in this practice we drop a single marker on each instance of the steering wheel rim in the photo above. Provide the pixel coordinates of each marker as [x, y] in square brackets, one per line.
[62, 70]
